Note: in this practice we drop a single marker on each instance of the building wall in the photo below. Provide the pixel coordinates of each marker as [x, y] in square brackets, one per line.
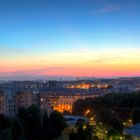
[2, 103]
[60, 100]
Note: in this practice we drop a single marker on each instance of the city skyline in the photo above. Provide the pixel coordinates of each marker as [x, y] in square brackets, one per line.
[50, 38]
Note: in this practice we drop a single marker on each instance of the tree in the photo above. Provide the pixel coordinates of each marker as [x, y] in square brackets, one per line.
[56, 124]
[5, 128]
[117, 124]
[107, 120]
[121, 104]
[31, 119]
[80, 134]
[44, 130]
[45, 121]
[5, 122]
[17, 129]
[136, 116]
[6, 135]
[113, 134]
[80, 123]
[90, 133]
[66, 112]
[72, 136]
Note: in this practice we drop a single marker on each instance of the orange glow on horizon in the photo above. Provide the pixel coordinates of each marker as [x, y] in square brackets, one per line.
[106, 63]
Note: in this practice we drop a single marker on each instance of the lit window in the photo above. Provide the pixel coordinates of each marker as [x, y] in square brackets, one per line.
[41, 99]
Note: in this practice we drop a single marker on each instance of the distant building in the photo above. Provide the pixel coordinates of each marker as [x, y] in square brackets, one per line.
[2, 102]
[49, 96]
[25, 99]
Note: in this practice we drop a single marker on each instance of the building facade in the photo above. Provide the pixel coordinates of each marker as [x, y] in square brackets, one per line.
[47, 99]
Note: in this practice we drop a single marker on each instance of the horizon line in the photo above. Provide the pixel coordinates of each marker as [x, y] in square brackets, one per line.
[63, 78]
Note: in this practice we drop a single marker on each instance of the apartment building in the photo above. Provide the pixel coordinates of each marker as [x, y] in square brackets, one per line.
[2, 102]
[62, 99]
[48, 99]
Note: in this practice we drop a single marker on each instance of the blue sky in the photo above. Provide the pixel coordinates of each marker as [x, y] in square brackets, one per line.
[37, 27]
[28, 22]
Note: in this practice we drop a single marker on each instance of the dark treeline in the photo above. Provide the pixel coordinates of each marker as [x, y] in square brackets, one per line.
[110, 111]
[32, 124]
[83, 134]
[122, 105]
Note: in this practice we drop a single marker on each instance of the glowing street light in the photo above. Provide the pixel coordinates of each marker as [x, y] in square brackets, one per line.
[87, 112]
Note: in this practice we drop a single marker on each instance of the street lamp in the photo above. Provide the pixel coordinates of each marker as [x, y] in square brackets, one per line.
[87, 112]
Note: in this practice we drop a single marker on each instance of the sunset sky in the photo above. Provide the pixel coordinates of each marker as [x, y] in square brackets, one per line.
[40, 38]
